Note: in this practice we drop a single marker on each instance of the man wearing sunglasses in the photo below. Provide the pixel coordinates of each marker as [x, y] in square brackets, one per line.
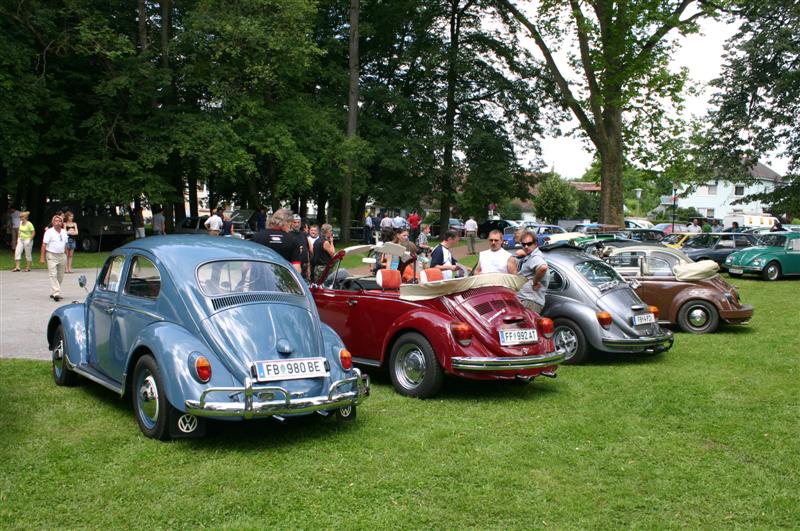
[534, 269]
[496, 259]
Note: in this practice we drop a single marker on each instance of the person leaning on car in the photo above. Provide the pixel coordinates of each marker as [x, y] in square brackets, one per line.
[277, 238]
[323, 251]
[495, 259]
[534, 269]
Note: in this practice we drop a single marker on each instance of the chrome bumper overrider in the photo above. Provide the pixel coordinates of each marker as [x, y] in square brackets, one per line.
[279, 400]
[506, 364]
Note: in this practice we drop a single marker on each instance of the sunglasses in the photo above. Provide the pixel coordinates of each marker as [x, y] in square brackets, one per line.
[491, 240]
[527, 244]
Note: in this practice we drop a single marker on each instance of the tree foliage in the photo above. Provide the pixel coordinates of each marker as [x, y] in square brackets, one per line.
[556, 199]
[757, 109]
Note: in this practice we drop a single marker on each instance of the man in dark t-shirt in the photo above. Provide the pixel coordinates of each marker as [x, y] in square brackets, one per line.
[302, 243]
[279, 240]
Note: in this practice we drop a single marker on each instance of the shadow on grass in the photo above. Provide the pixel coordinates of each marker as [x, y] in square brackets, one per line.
[605, 358]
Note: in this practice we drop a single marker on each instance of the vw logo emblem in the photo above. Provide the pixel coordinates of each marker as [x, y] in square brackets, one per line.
[187, 423]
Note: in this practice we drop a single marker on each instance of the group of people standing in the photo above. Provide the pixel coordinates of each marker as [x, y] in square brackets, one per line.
[307, 247]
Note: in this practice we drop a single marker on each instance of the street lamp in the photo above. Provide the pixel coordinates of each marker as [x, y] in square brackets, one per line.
[638, 192]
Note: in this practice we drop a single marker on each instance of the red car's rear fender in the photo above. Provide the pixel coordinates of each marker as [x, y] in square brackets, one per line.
[432, 324]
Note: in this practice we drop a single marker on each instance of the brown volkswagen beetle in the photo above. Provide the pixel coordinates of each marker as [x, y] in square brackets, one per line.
[689, 294]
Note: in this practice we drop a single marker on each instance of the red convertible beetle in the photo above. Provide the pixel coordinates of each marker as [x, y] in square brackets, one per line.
[471, 327]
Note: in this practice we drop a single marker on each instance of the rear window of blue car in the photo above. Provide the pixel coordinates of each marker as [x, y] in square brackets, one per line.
[245, 276]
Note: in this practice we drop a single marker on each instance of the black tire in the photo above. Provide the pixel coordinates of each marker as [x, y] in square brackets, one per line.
[347, 413]
[413, 367]
[150, 404]
[772, 271]
[698, 317]
[569, 338]
[61, 373]
[88, 244]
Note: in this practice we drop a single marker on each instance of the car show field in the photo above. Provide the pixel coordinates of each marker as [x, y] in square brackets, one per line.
[702, 436]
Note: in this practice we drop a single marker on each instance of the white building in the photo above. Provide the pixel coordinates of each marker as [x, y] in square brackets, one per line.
[715, 199]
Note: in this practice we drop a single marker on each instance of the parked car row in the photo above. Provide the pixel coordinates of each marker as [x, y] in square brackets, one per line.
[193, 331]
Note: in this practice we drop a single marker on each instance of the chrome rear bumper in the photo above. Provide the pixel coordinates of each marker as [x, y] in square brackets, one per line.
[654, 344]
[279, 400]
[508, 364]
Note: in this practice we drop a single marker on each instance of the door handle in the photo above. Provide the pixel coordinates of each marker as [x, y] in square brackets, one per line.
[352, 302]
[109, 310]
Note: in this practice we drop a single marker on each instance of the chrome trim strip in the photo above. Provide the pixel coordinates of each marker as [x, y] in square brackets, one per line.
[284, 404]
[639, 342]
[365, 361]
[95, 379]
[139, 310]
[507, 363]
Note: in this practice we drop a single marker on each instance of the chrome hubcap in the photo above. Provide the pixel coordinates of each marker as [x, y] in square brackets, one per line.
[772, 272]
[566, 341]
[346, 411]
[410, 366]
[58, 357]
[698, 317]
[148, 399]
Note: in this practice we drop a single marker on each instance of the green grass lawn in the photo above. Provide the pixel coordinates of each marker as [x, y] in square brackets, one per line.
[704, 436]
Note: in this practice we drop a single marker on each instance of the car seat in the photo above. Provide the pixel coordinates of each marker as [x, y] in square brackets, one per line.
[388, 279]
[430, 275]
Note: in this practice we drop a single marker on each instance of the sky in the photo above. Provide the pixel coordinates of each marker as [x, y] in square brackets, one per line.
[702, 55]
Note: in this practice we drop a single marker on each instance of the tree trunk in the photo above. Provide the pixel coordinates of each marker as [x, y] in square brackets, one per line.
[322, 200]
[191, 182]
[352, 120]
[142, 25]
[611, 167]
[446, 180]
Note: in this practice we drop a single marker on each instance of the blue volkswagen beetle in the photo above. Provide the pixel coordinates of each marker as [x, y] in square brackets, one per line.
[195, 327]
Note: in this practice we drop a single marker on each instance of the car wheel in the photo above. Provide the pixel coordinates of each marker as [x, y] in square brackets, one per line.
[413, 366]
[772, 271]
[61, 373]
[569, 339]
[347, 413]
[698, 317]
[150, 404]
[88, 244]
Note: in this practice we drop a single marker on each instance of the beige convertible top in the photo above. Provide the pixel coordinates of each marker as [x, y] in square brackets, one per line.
[696, 270]
[431, 290]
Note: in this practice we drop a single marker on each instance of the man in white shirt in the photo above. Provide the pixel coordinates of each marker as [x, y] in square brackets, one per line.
[214, 224]
[496, 259]
[15, 221]
[694, 226]
[55, 243]
[398, 222]
[471, 231]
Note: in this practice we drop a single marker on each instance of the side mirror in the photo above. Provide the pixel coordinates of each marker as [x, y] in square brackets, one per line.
[82, 281]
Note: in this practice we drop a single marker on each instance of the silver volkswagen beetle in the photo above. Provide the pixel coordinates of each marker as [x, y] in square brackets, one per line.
[594, 308]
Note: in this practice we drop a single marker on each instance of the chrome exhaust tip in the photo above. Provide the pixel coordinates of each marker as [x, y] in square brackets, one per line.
[549, 374]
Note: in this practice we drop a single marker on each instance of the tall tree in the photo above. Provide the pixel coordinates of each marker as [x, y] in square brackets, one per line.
[352, 117]
[758, 106]
[623, 50]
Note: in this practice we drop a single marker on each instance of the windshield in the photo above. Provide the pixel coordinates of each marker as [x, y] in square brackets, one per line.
[704, 240]
[772, 240]
[245, 276]
[599, 274]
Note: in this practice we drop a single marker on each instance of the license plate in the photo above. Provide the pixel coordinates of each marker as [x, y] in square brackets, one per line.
[292, 369]
[518, 336]
[735, 270]
[645, 318]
